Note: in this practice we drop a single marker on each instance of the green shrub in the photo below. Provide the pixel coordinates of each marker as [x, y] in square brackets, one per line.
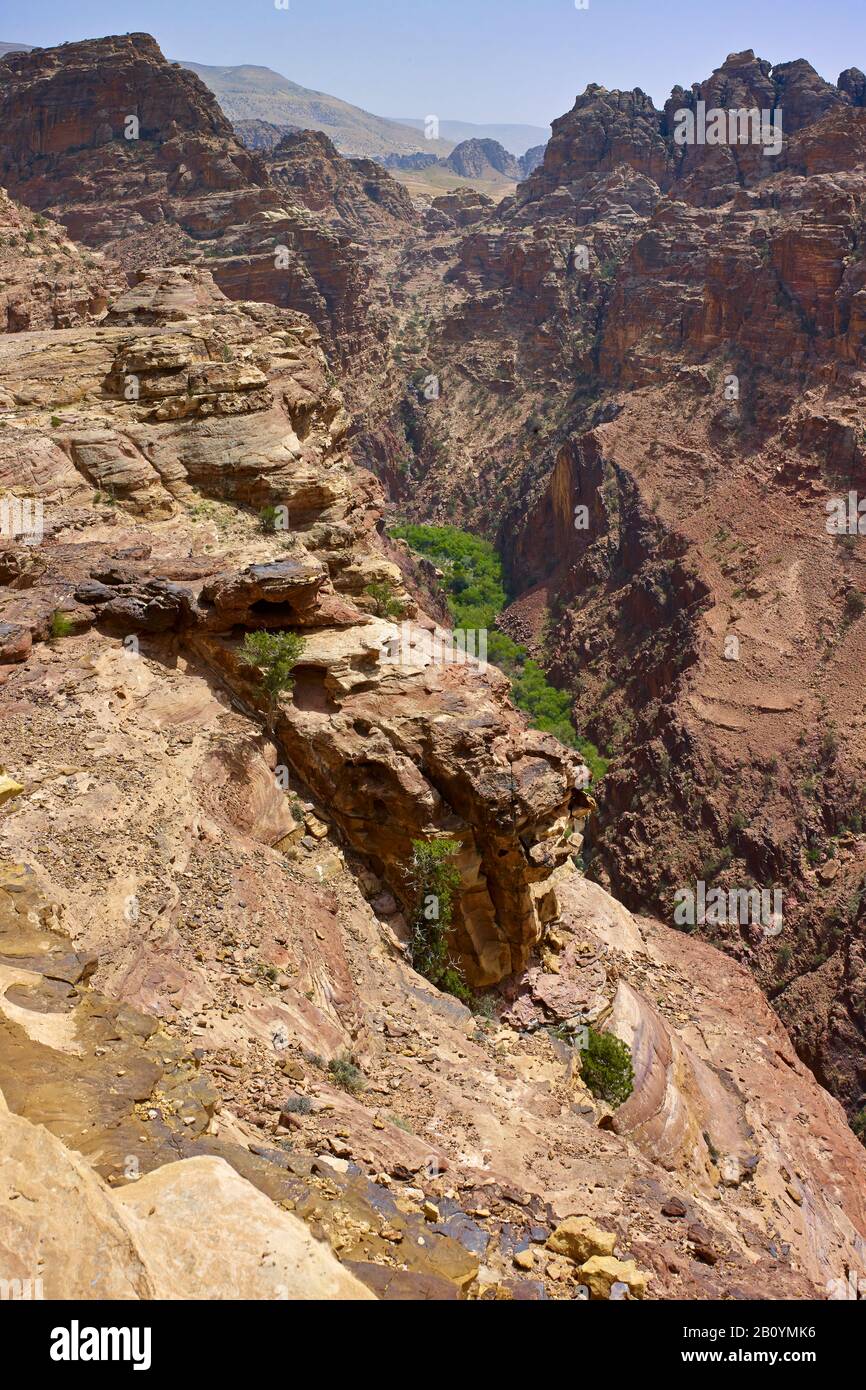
[451, 981]
[485, 1006]
[297, 1105]
[830, 744]
[475, 588]
[269, 520]
[434, 880]
[343, 1072]
[275, 654]
[606, 1067]
[471, 568]
[384, 595]
[61, 625]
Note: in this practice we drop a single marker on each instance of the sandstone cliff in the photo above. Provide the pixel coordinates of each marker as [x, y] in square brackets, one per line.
[46, 280]
[133, 155]
[191, 947]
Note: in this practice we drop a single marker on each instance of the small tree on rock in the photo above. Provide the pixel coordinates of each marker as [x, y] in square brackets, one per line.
[275, 654]
[386, 602]
[434, 880]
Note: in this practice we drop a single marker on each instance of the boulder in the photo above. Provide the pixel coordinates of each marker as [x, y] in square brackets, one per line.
[186, 1216]
[165, 1236]
[579, 1239]
[601, 1273]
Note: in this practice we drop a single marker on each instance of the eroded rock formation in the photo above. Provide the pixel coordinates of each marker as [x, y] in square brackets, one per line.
[133, 155]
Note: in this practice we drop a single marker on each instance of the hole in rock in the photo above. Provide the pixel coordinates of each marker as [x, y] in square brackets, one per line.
[310, 692]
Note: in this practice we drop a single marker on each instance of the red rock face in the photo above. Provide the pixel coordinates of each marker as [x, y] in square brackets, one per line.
[673, 337]
[60, 107]
[134, 79]
[184, 189]
[46, 280]
[603, 131]
[356, 195]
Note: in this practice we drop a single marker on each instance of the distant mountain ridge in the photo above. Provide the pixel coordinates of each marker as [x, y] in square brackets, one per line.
[250, 93]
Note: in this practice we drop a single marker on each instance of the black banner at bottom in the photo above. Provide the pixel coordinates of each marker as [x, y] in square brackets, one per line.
[165, 1340]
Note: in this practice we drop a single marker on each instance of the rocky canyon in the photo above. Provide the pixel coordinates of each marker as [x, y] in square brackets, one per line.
[316, 941]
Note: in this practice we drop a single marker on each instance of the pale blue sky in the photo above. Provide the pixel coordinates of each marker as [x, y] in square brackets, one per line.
[475, 60]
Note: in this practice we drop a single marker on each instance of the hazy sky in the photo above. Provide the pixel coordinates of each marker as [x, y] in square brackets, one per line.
[476, 60]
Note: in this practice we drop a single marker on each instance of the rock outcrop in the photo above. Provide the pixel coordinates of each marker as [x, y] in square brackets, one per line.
[165, 1235]
[356, 195]
[482, 159]
[46, 281]
[368, 728]
[530, 161]
[134, 156]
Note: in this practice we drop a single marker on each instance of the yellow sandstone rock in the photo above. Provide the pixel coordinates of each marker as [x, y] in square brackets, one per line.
[578, 1238]
[602, 1272]
[9, 788]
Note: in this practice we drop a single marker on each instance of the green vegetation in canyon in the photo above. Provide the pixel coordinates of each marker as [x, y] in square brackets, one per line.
[475, 588]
